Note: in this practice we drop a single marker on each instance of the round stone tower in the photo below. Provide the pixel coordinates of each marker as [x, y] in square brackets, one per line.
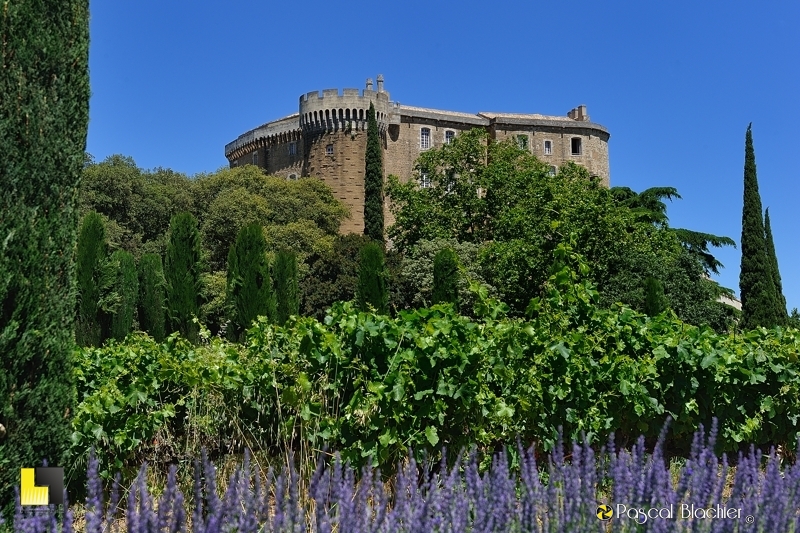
[335, 141]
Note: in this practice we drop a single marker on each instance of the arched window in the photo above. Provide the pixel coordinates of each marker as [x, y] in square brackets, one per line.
[548, 148]
[360, 114]
[424, 138]
[553, 170]
[292, 177]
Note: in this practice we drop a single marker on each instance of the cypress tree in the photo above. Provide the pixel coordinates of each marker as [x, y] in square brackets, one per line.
[371, 290]
[151, 296]
[373, 180]
[286, 288]
[780, 312]
[44, 114]
[249, 288]
[182, 275]
[445, 277]
[91, 256]
[655, 302]
[756, 285]
[126, 289]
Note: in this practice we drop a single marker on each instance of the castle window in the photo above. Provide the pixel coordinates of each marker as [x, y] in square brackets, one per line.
[576, 146]
[424, 138]
[292, 177]
[255, 158]
[522, 142]
[329, 150]
[548, 147]
[449, 135]
[424, 180]
[292, 148]
[553, 170]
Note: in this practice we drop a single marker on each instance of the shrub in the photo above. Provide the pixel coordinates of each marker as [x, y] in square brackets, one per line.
[44, 114]
[182, 275]
[151, 296]
[126, 289]
[286, 288]
[371, 291]
[249, 286]
[91, 257]
[445, 278]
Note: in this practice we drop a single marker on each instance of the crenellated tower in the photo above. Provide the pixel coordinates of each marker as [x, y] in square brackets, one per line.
[334, 128]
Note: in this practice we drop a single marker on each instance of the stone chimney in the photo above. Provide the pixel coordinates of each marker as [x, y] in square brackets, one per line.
[369, 84]
[380, 83]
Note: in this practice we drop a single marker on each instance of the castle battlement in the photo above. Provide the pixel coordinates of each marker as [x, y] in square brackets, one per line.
[325, 139]
[332, 110]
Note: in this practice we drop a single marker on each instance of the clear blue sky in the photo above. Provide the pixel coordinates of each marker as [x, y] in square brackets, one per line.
[676, 83]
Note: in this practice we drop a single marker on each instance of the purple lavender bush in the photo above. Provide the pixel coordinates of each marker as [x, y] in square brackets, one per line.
[575, 492]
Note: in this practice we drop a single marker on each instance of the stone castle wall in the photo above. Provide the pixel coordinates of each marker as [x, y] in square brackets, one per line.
[327, 139]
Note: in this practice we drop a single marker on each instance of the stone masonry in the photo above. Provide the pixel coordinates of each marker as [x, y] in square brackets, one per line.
[327, 139]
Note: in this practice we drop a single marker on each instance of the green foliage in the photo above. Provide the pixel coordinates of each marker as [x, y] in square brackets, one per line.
[445, 278]
[44, 116]
[503, 200]
[182, 275]
[756, 284]
[144, 397]
[375, 387]
[215, 308]
[137, 203]
[152, 305]
[126, 287]
[371, 292]
[772, 257]
[451, 207]
[287, 293]
[332, 275]
[91, 257]
[654, 300]
[412, 282]
[249, 288]
[373, 180]
[229, 199]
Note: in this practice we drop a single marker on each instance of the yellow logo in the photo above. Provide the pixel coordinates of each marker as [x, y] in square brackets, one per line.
[49, 490]
[604, 512]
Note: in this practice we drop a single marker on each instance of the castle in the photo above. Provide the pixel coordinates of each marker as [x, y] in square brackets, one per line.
[327, 139]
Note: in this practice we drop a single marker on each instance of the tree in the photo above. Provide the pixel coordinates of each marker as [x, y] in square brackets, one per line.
[756, 284]
[371, 292]
[780, 300]
[44, 115]
[126, 289]
[286, 289]
[445, 278]
[230, 199]
[151, 296]
[655, 302]
[249, 287]
[332, 275]
[503, 200]
[182, 270]
[373, 180]
[91, 256]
